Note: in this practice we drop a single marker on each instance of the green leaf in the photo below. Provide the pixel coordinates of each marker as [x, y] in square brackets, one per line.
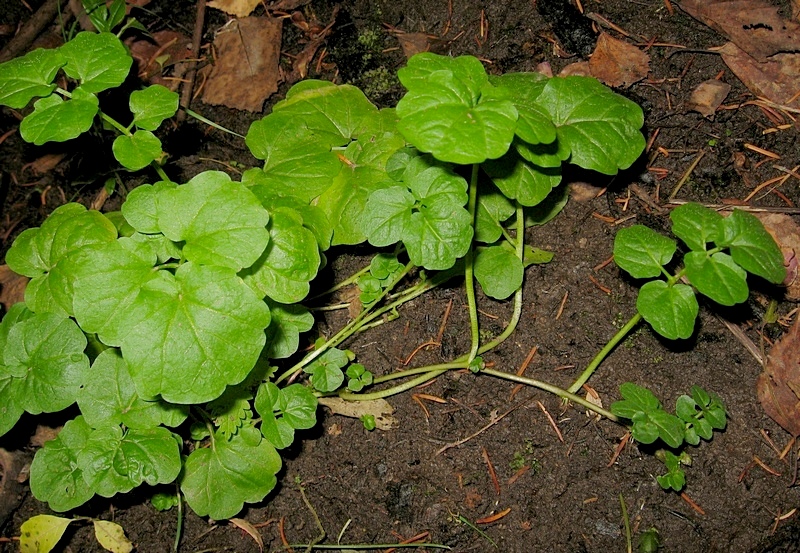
[285, 410]
[385, 267]
[696, 225]
[231, 413]
[670, 427]
[447, 116]
[534, 125]
[552, 205]
[164, 501]
[56, 120]
[358, 377]
[499, 271]
[109, 398]
[642, 252]
[312, 216]
[326, 370]
[110, 535]
[28, 77]
[98, 60]
[137, 151]
[752, 247]
[492, 209]
[244, 470]
[522, 180]
[45, 352]
[289, 262]
[56, 476]
[152, 105]
[600, 128]
[387, 213]
[139, 208]
[670, 310]
[41, 533]
[675, 477]
[191, 334]
[221, 221]
[636, 399]
[114, 461]
[717, 277]
[283, 332]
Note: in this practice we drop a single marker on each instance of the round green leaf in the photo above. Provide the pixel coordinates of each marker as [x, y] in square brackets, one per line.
[670, 310]
[193, 333]
[98, 60]
[56, 120]
[109, 398]
[534, 125]
[137, 151]
[283, 332]
[717, 277]
[493, 208]
[56, 476]
[29, 76]
[244, 471]
[642, 252]
[152, 105]
[387, 214]
[139, 207]
[326, 370]
[285, 410]
[438, 235]
[696, 225]
[221, 221]
[521, 180]
[499, 271]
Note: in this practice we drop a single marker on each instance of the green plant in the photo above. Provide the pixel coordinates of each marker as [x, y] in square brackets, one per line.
[697, 416]
[181, 306]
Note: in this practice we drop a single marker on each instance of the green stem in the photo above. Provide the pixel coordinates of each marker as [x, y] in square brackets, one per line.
[114, 123]
[603, 353]
[469, 260]
[368, 547]
[346, 282]
[179, 528]
[405, 386]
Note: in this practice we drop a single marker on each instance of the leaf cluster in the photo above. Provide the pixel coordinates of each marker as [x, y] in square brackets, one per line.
[722, 250]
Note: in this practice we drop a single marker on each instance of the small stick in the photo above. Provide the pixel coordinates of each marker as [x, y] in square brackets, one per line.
[561, 306]
[483, 429]
[492, 472]
[622, 443]
[519, 473]
[197, 37]
[552, 422]
[686, 175]
[764, 466]
[495, 517]
[280, 526]
[445, 318]
[692, 504]
[522, 370]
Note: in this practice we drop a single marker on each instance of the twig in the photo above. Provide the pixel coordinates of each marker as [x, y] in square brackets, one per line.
[197, 37]
[483, 429]
[490, 468]
[552, 422]
[28, 33]
[686, 175]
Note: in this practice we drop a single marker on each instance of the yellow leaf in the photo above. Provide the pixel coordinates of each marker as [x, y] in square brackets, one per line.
[41, 533]
[112, 537]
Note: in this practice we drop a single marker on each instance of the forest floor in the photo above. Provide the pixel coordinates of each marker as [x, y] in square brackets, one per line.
[558, 474]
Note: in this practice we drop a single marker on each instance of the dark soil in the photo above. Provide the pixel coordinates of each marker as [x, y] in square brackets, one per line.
[379, 487]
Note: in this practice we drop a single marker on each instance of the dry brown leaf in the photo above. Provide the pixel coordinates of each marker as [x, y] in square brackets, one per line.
[787, 234]
[754, 25]
[238, 8]
[378, 408]
[583, 192]
[778, 387]
[617, 63]
[246, 72]
[777, 79]
[12, 287]
[160, 50]
[707, 97]
[414, 43]
[44, 164]
[242, 524]
[579, 68]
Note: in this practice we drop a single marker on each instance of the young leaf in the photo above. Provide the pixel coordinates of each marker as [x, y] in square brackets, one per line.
[752, 247]
[137, 151]
[56, 476]
[152, 105]
[642, 252]
[675, 477]
[493, 208]
[522, 180]
[670, 310]
[670, 427]
[545, 211]
[98, 60]
[28, 77]
[191, 334]
[244, 467]
[231, 413]
[45, 352]
[600, 128]
[109, 398]
[499, 271]
[285, 410]
[534, 125]
[221, 221]
[116, 462]
[358, 377]
[717, 277]
[41, 533]
[56, 120]
[326, 370]
[283, 332]
[636, 399]
[696, 225]
[447, 116]
[289, 262]
[111, 535]
[10, 387]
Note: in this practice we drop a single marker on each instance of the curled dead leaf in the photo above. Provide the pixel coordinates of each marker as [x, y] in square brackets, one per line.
[787, 234]
[707, 97]
[617, 63]
[778, 387]
[378, 408]
[776, 79]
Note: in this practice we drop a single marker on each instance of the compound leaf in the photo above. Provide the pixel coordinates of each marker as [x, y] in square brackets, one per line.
[29, 76]
[138, 150]
[98, 60]
[285, 410]
[717, 277]
[642, 252]
[670, 310]
[152, 105]
[244, 467]
[221, 221]
[636, 399]
[56, 120]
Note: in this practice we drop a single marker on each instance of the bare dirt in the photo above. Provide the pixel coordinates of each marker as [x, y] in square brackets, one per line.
[380, 487]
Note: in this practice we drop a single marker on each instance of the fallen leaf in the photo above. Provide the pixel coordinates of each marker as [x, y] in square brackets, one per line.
[414, 43]
[594, 398]
[777, 79]
[707, 97]
[12, 287]
[778, 387]
[111, 536]
[583, 192]
[753, 25]
[44, 434]
[44, 164]
[238, 8]
[161, 50]
[246, 71]
[617, 63]
[250, 529]
[579, 68]
[787, 234]
[378, 408]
